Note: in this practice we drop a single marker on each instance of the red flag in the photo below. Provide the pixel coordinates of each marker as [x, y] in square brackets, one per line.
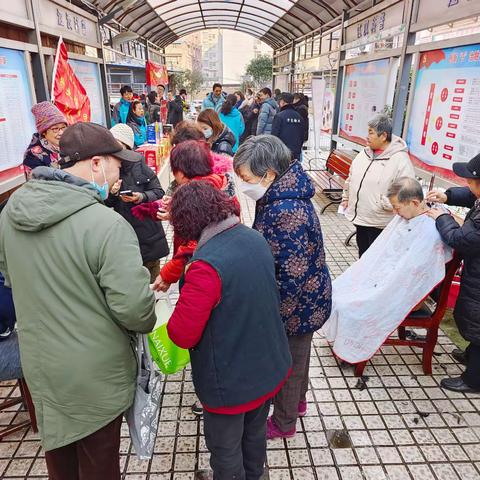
[68, 94]
[156, 74]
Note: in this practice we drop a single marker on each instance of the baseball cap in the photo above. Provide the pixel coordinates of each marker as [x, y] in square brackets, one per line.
[84, 140]
[469, 169]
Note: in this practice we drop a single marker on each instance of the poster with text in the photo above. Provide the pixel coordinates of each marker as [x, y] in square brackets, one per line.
[89, 76]
[368, 88]
[444, 125]
[318, 98]
[16, 120]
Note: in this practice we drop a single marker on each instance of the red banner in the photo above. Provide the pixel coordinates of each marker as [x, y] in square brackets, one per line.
[156, 74]
[68, 94]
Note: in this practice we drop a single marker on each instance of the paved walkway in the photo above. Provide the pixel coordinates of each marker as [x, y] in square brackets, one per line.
[398, 425]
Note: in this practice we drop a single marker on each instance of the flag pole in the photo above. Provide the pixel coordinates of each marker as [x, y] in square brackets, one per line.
[55, 65]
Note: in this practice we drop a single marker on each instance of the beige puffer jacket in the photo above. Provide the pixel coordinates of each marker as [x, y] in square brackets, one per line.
[370, 177]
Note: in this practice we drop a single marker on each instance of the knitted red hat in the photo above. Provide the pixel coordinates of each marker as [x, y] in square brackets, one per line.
[46, 115]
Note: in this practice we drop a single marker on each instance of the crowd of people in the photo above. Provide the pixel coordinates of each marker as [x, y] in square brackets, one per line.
[84, 238]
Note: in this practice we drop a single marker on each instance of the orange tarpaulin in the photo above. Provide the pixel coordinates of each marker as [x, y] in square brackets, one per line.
[68, 94]
[156, 74]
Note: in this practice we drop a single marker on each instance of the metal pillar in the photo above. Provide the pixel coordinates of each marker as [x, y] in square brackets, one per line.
[38, 61]
[292, 68]
[401, 96]
[147, 58]
[103, 79]
[339, 84]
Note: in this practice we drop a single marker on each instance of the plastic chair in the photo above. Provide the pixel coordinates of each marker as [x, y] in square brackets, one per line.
[10, 369]
[424, 318]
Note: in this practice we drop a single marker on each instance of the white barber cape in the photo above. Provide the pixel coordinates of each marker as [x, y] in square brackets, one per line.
[373, 297]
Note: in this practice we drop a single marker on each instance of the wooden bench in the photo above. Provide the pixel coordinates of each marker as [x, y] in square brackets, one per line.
[331, 180]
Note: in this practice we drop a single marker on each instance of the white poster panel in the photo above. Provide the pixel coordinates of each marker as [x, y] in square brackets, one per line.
[318, 100]
[368, 90]
[444, 125]
[16, 120]
[89, 76]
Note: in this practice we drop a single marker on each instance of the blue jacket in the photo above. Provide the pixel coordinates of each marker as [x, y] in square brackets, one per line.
[120, 112]
[7, 309]
[285, 216]
[288, 126]
[234, 121]
[268, 110]
[211, 102]
[139, 132]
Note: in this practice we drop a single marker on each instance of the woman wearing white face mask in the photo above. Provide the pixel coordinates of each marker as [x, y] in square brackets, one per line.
[220, 138]
[285, 216]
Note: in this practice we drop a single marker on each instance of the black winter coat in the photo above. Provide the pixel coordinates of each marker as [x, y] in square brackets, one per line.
[466, 242]
[175, 111]
[151, 237]
[288, 126]
[302, 109]
[250, 117]
[224, 143]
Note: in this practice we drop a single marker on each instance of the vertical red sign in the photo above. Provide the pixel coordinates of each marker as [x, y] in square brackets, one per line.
[427, 114]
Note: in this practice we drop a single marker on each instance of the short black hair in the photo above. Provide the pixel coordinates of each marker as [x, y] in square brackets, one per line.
[160, 85]
[125, 89]
[266, 91]
[182, 92]
[298, 95]
[152, 96]
[216, 85]
[286, 97]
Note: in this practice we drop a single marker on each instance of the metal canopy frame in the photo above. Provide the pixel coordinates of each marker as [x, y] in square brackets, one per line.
[276, 22]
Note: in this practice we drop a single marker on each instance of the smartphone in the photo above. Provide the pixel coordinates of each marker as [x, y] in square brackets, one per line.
[126, 192]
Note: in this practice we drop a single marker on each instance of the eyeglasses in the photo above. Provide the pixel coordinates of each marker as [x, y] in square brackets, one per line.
[56, 130]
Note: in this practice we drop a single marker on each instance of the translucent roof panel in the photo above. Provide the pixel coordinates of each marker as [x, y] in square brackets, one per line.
[276, 22]
[221, 14]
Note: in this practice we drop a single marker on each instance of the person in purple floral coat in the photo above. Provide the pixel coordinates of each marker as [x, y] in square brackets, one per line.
[43, 150]
[285, 216]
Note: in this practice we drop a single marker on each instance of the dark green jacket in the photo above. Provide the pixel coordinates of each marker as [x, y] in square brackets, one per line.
[80, 291]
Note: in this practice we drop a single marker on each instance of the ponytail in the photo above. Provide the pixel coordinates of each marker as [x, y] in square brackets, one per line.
[228, 105]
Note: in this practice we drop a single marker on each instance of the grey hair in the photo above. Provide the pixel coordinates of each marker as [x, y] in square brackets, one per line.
[406, 189]
[382, 124]
[263, 153]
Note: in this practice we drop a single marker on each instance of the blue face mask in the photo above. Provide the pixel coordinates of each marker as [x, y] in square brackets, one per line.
[104, 189]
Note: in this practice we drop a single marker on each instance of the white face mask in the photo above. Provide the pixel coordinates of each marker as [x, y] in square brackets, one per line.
[253, 190]
[208, 133]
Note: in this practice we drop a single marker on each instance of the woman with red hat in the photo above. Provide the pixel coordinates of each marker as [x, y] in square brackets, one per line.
[44, 146]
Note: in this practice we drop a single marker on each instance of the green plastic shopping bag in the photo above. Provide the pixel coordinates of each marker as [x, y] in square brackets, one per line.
[169, 358]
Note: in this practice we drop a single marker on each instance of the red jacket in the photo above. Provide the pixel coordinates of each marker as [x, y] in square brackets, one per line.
[200, 294]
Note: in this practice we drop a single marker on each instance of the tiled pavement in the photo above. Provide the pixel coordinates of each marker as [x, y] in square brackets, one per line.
[397, 425]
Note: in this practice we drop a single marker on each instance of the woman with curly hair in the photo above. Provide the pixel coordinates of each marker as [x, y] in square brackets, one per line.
[285, 216]
[228, 316]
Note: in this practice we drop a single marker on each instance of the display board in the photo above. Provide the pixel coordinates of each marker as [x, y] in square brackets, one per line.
[368, 88]
[444, 125]
[318, 99]
[16, 120]
[89, 75]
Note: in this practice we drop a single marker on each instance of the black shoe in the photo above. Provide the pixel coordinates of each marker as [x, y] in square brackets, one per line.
[456, 384]
[5, 334]
[460, 356]
[197, 409]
